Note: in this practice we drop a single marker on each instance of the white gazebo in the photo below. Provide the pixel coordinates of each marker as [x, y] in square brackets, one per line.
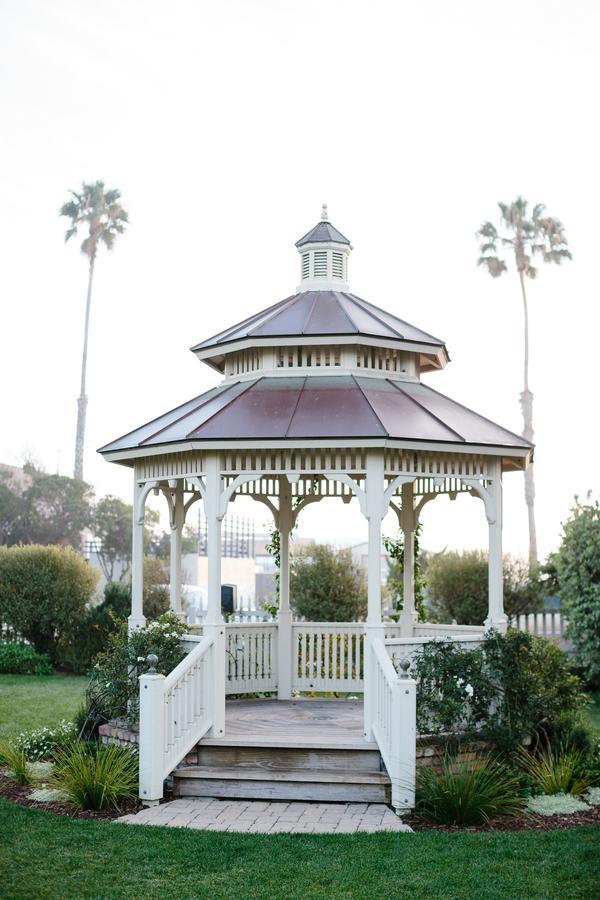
[320, 396]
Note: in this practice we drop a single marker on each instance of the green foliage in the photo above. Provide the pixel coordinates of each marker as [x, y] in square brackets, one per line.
[43, 743]
[99, 211]
[112, 527]
[156, 587]
[15, 760]
[49, 509]
[556, 771]
[515, 687]
[18, 658]
[458, 587]
[577, 564]
[97, 777]
[468, 793]
[44, 592]
[556, 805]
[395, 582]
[327, 586]
[90, 634]
[113, 691]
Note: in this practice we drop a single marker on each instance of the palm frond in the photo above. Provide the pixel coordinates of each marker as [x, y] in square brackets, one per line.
[493, 264]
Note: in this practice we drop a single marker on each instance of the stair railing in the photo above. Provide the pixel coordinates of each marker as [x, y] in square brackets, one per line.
[175, 713]
[393, 723]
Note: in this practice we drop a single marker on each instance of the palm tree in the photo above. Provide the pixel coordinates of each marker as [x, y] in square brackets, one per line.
[524, 239]
[99, 211]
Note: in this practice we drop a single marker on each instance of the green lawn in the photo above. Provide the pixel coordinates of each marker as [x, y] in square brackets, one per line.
[30, 701]
[45, 856]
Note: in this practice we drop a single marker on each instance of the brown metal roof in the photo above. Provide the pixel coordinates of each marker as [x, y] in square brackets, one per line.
[321, 407]
[323, 313]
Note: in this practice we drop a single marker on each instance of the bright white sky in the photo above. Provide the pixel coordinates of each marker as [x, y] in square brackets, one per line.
[226, 125]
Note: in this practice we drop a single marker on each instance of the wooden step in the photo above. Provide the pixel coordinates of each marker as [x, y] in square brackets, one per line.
[288, 757]
[272, 783]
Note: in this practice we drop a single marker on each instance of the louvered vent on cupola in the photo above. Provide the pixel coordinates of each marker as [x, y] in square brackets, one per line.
[337, 264]
[320, 264]
[305, 265]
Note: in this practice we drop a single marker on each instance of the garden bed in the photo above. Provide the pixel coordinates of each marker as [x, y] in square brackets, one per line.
[17, 793]
[526, 822]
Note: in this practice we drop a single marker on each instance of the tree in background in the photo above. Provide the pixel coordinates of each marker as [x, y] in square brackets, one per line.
[156, 587]
[327, 586]
[101, 213]
[44, 592]
[524, 239]
[458, 587]
[577, 566]
[395, 581]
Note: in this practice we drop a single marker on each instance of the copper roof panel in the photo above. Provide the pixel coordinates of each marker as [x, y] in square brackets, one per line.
[264, 410]
[400, 416]
[333, 407]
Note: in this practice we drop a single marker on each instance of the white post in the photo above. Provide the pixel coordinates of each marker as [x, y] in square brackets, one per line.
[374, 629]
[284, 616]
[409, 617]
[213, 623]
[496, 617]
[404, 742]
[152, 737]
[177, 522]
[137, 618]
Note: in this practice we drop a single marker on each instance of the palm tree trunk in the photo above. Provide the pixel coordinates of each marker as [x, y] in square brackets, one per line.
[526, 400]
[82, 399]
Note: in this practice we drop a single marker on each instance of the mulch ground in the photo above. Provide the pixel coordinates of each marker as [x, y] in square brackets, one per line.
[9, 790]
[18, 793]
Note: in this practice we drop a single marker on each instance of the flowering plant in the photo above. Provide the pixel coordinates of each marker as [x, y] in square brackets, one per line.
[113, 691]
[41, 743]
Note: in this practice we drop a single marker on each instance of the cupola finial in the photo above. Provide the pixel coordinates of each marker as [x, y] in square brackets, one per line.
[324, 213]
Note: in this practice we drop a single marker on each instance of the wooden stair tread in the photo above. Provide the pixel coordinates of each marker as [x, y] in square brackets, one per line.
[257, 773]
[283, 742]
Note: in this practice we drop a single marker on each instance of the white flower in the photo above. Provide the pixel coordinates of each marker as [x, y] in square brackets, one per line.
[469, 690]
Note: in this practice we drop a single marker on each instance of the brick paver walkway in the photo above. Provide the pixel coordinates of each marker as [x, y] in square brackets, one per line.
[254, 816]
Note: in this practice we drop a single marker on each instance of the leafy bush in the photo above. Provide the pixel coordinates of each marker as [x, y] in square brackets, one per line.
[100, 777]
[458, 587]
[113, 690]
[327, 586]
[43, 594]
[555, 805]
[559, 771]
[15, 760]
[89, 635]
[511, 689]
[577, 564]
[42, 743]
[468, 793]
[17, 658]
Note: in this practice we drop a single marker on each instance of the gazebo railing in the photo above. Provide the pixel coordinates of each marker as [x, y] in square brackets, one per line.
[327, 656]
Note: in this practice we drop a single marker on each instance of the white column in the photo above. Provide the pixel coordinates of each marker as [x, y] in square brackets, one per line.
[409, 616]
[284, 616]
[374, 629]
[496, 617]
[137, 618]
[213, 623]
[177, 523]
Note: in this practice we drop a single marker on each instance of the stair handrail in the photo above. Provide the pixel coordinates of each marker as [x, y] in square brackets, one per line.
[393, 724]
[175, 713]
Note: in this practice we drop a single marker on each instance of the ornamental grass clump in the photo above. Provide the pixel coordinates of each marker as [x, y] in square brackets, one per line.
[14, 759]
[561, 771]
[97, 777]
[468, 793]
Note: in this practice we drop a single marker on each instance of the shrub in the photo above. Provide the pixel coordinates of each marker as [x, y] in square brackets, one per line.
[327, 586]
[100, 777]
[458, 587]
[17, 658]
[468, 794]
[514, 688]
[43, 594]
[555, 805]
[559, 771]
[43, 743]
[113, 690]
[89, 635]
[577, 564]
[15, 760]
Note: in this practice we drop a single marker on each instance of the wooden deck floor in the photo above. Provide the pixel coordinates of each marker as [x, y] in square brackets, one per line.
[294, 723]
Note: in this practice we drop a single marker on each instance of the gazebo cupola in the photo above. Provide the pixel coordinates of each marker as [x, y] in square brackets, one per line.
[324, 253]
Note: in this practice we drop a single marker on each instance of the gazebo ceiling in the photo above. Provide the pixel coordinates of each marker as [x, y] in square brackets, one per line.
[325, 314]
[318, 407]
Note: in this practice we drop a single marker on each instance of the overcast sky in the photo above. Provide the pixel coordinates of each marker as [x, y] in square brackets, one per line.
[226, 125]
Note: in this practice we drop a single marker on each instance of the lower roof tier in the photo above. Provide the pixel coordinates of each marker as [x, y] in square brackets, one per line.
[315, 407]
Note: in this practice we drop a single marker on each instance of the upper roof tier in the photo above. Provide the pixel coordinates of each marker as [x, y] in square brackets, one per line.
[323, 232]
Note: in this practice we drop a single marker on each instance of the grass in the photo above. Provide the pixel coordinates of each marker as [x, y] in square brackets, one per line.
[45, 856]
[31, 701]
